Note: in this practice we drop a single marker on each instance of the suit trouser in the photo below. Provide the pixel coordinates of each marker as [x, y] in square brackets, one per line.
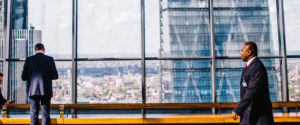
[35, 107]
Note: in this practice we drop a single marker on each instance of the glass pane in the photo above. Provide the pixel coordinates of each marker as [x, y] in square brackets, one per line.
[61, 87]
[17, 85]
[109, 82]
[152, 28]
[21, 47]
[184, 29]
[2, 26]
[238, 21]
[46, 21]
[109, 28]
[228, 77]
[1, 66]
[292, 26]
[294, 79]
[170, 81]
[2, 40]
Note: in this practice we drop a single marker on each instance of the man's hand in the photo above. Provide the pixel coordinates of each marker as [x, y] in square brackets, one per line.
[8, 102]
[234, 115]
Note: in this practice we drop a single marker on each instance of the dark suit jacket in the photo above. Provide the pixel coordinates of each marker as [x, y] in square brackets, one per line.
[255, 106]
[2, 99]
[39, 71]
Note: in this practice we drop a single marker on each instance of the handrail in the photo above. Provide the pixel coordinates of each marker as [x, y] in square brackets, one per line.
[185, 119]
[167, 120]
[154, 106]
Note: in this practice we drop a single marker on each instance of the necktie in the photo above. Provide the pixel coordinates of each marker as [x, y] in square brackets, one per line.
[245, 71]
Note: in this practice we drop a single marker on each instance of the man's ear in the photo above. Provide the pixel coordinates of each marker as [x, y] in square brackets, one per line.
[249, 53]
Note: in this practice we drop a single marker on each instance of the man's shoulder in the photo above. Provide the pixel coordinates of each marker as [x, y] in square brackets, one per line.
[29, 57]
[50, 57]
[39, 57]
[258, 64]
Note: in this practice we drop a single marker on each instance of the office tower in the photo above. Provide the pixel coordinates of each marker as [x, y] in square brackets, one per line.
[20, 14]
[22, 46]
[23, 41]
[184, 27]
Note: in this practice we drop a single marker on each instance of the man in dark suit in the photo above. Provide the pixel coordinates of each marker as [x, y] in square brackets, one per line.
[255, 107]
[3, 101]
[39, 71]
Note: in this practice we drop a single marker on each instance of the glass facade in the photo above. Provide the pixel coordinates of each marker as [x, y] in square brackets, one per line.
[37, 21]
[100, 47]
[234, 23]
[109, 82]
[185, 33]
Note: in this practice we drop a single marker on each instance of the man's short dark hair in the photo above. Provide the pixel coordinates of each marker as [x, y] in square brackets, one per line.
[252, 47]
[1, 75]
[39, 46]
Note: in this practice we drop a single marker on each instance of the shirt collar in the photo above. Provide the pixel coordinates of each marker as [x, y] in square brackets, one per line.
[39, 51]
[249, 62]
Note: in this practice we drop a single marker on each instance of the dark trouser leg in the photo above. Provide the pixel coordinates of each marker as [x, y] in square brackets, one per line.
[34, 110]
[45, 104]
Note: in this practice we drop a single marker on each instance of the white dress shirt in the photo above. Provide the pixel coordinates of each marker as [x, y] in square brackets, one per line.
[249, 62]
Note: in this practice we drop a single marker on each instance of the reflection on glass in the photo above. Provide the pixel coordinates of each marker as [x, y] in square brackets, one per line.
[61, 87]
[109, 28]
[184, 28]
[109, 82]
[178, 81]
[294, 79]
[238, 21]
[292, 26]
[228, 78]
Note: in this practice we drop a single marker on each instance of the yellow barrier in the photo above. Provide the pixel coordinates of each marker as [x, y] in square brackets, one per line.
[182, 119]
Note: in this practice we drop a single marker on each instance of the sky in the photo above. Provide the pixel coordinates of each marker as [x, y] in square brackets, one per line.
[112, 28]
[105, 27]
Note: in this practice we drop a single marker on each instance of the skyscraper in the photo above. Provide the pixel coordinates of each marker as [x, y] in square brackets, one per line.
[185, 32]
[20, 14]
[22, 46]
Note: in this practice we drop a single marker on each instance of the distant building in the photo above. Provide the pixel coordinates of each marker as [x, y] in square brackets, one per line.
[23, 42]
[184, 29]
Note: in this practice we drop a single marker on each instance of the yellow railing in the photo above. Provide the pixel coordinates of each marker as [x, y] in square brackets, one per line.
[177, 119]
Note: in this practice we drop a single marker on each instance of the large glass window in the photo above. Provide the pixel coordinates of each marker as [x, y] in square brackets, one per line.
[62, 87]
[292, 26]
[228, 78]
[109, 28]
[177, 29]
[2, 33]
[152, 28]
[291, 16]
[238, 21]
[48, 22]
[184, 30]
[177, 81]
[109, 82]
[109, 48]
[294, 79]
